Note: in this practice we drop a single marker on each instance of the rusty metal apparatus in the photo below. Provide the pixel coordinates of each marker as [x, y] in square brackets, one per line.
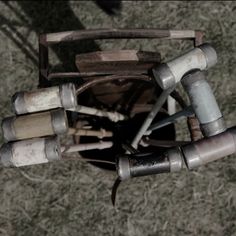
[116, 108]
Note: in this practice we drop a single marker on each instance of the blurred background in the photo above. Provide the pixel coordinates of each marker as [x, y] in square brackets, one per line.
[73, 198]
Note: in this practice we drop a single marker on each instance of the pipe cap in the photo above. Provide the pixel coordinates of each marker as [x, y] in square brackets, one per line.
[123, 168]
[68, 96]
[210, 54]
[164, 76]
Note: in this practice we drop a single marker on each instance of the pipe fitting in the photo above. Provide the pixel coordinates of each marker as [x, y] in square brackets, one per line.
[45, 99]
[170, 73]
[210, 149]
[27, 126]
[204, 103]
[30, 152]
[147, 164]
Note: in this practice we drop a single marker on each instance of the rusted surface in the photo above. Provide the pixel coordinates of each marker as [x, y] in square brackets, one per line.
[43, 61]
[117, 61]
[194, 128]
[118, 33]
[46, 39]
[198, 38]
[192, 122]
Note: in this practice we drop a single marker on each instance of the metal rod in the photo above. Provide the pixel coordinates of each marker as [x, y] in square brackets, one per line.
[157, 106]
[59, 75]
[102, 133]
[129, 148]
[86, 146]
[67, 36]
[69, 158]
[113, 116]
[43, 61]
[171, 119]
[164, 143]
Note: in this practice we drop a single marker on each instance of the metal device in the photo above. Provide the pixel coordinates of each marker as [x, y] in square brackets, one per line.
[45, 99]
[27, 126]
[168, 74]
[210, 149]
[195, 154]
[122, 121]
[148, 164]
[30, 152]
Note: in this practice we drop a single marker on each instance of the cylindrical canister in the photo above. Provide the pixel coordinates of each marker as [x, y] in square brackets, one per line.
[45, 99]
[147, 164]
[204, 103]
[35, 125]
[210, 149]
[30, 152]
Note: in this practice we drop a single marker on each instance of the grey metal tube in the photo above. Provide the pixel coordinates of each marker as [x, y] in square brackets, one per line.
[170, 73]
[204, 103]
[147, 164]
[210, 149]
[171, 119]
[157, 106]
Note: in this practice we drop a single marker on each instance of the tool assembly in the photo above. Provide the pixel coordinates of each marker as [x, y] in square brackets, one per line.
[115, 108]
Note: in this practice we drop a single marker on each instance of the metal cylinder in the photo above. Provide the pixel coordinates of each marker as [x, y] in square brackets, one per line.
[45, 99]
[147, 164]
[204, 103]
[30, 152]
[210, 149]
[170, 73]
[35, 125]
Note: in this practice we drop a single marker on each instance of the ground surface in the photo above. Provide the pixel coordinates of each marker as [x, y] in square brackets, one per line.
[73, 198]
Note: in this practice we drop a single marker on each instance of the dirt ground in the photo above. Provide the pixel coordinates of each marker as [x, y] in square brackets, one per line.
[73, 198]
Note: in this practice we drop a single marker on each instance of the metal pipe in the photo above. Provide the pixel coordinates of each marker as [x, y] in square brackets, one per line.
[157, 106]
[147, 164]
[170, 73]
[210, 149]
[35, 125]
[204, 103]
[113, 116]
[86, 146]
[45, 99]
[30, 152]
[171, 119]
[164, 143]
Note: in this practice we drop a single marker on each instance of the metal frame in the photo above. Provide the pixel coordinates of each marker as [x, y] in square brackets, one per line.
[68, 36]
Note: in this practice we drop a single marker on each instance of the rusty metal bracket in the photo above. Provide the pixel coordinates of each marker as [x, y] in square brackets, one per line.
[54, 38]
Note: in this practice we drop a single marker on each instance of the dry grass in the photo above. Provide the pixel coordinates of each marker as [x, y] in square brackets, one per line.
[73, 198]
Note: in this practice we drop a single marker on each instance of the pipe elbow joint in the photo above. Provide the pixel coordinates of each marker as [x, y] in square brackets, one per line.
[199, 58]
